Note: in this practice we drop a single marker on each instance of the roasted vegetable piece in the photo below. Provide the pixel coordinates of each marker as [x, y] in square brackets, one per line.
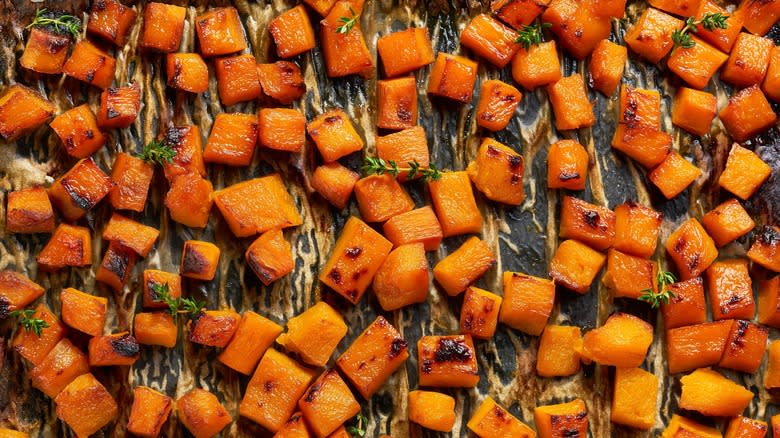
[45, 51]
[29, 211]
[622, 341]
[567, 165]
[772, 373]
[214, 328]
[745, 172]
[578, 25]
[187, 71]
[453, 77]
[606, 66]
[591, 224]
[155, 328]
[58, 368]
[117, 265]
[149, 412]
[220, 32]
[711, 394]
[79, 189]
[132, 177]
[455, 204]
[536, 66]
[528, 302]
[696, 65]
[696, 346]
[490, 39]
[345, 53]
[86, 406]
[570, 103]
[282, 81]
[163, 27]
[745, 347]
[188, 154]
[335, 183]
[693, 110]
[640, 107]
[479, 313]
[636, 229]
[334, 135]
[432, 410]
[728, 221]
[687, 306]
[154, 281]
[189, 200]
[22, 110]
[497, 172]
[357, 255]
[651, 35]
[558, 354]
[492, 420]
[758, 16]
[674, 175]
[33, 347]
[232, 139]
[199, 260]
[90, 64]
[17, 291]
[683, 8]
[380, 197]
[78, 130]
[691, 249]
[83, 312]
[403, 277]
[405, 51]
[748, 113]
[765, 250]
[744, 427]
[314, 334]
[271, 206]
[447, 361]
[69, 246]
[115, 349]
[281, 129]
[518, 13]
[683, 427]
[292, 32]
[769, 302]
[771, 85]
[255, 334]
[575, 265]
[404, 147]
[237, 79]
[627, 275]
[417, 226]
[748, 62]
[397, 107]
[111, 21]
[270, 256]
[294, 427]
[721, 39]
[730, 290]
[564, 419]
[634, 398]
[202, 414]
[134, 235]
[464, 266]
[327, 404]
[645, 145]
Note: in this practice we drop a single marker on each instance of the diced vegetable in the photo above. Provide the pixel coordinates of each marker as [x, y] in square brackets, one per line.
[765, 250]
[132, 177]
[745, 172]
[117, 265]
[111, 21]
[447, 361]
[328, 403]
[189, 200]
[78, 130]
[758, 17]
[232, 139]
[721, 39]
[417, 226]
[85, 405]
[155, 280]
[578, 26]
[528, 302]
[558, 354]
[497, 103]
[134, 235]
[691, 249]
[220, 32]
[636, 229]
[696, 65]
[711, 394]
[606, 66]
[90, 64]
[149, 412]
[237, 79]
[114, 349]
[254, 335]
[728, 221]
[646, 145]
[22, 110]
[403, 147]
[771, 85]
[295, 426]
[575, 265]
[199, 260]
[282, 129]
[58, 368]
[640, 107]
[745, 347]
[432, 410]
[748, 62]
[188, 153]
[564, 419]
[693, 110]
[492, 420]
[696, 346]
[345, 53]
[537, 66]
[490, 39]
[335, 183]
[748, 113]
[479, 313]
[629, 276]
[201, 413]
[634, 398]
[772, 373]
[29, 211]
[570, 103]
[69, 246]
[292, 32]
[462, 267]
[405, 51]
[769, 302]
[334, 135]
[622, 341]
[687, 306]
[453, 77]
[403, 277]
[282, 81]
[455, 204]
[45, 51]
[214, 328]
[83, 312]
[567, 165]
[588, 223]
[270, 256]
[163, 27]
[187, 71]
[397, 107]
[683, 8]
[674, 175]
[518, 13]
[746, 427]
[271, 206]
[79, 189]
[155, 328]
[31, 346]
[380, 197]
[314, 334]
[730, 290]
[651, 35]
[681, 426]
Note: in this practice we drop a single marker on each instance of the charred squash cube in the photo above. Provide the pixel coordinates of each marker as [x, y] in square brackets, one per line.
[85, 405]
[153, 280]
[567, 165]
[272, 394]
[149, 412]
[220, 32]
[479, 313]
[185, 141]
[189, 200]
[237, 79]
[292, 32]
[748, 113]
[344, 53]
[636, 229]
[651, 35]
[404, 147]
[119, 106]
[117, 266]
[417, 226]
[622, 341]
[606, 66]
[45, 51]
[745, 172]
[22, 110]
[272, 206]
[83, 312]
[270, 256]
[640, 107]
[282, 129]
[687, 306]
[199, 260]
[282, 81]
[454, 202]
[634, 398]
[498, 172]
[693, 110]
[134, 235]
[453, 77]
[645, 145]
[90, 64]
[132, 177]
[491, 420]
[570, 103]
[314, 334]
[405, 51]
[765, 250]
[232, 139]
[497, 103]
[214, 328]
[674, 175]
[255, 334]
[397, 107]
[490, 39]
[403, 277]
[29, 211]
[163, 27]
[17, 291]
[335, 183]
[575, 265]
[591, 224]
[187, 71]
[58, 368]
[69, 246]
[115, 349]
[579, 26]
[79, 189]
[334, 135]
[518, 13]
[711, 394]
[464, 266]
[328, 403]
[111, 21]
[730, 290]
[155, 328]
[432, 410]
[696, 65]
[748, 62]
[447, 361]
[695, 346]
[745, 347]
[33, 347]
[202, 414]
[528, 302]
[78, 130]
[373, 357]
[728, 222]
[380, 197]
[769, 302]
[691, 249]
[628, 275]
[558, 354]
[565, 419]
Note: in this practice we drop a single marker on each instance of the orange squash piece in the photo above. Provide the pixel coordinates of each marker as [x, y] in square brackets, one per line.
[432, 410]
[155, 328]
[775, 424]
[640, 107]
[17, 291]
[570, 103]
[232, 139]
[697, 64]
[728, 221]
[528, 302]
[730, 290]
[355, 258]
[403, 278]
[447, 361]
[745, 347]
[579, 26]
[79, 189]
[622, 341]
[163, 27]
[745, 172]
[149, 412]
[564, 419]
[335, 183]
[344, 53]
[380, 197]
[691, 249]
[772, 373]
[281, 129]
[634, 398]
[404, 147]
[334, 135]
[575, 265]
[455, 204]
[69, 246]
[78, 130]
[646, 145]
[405, 51]
[220, 32]
[153, 280]
[282, 81]
[759, 17]
[314, 334]
[492, 420]
[187, 71]
[111, 21]
[83, 312]
[45, 51]
[464, 266]
[490, 39]
[185, 142]
[202, 414]
[90, 64]
[254, 335]
[636, 229]
[189, 200]
[199, 260]
[567, 165]
[765, 250]
[58, 368]
[498, 172]
[33, 347]
[687, 306]
[693, 110]
[606, 66]
[132, 177]
[237, 79]
[270, 256]
[131, 234]
[651, 35]
[558, 354]
[743, 427]
[294, 427]
[683, 427]
[452, 77]
[327, 404]
[272, 206]
[29, 211]
[748, 62]
[518, 13]
[591, 224]
[22, 110]
[771, 84]
[721, 39]
[696, 346]
[674, 175]
[769, 302]
[213, 328]
[417, 226]
[748, 113]
[537, 66]
[479, 313]
[86, 406]
[397, 106]
[628, 275]
[711, 394]
[117, 265]
[292, 32]
[115, 349]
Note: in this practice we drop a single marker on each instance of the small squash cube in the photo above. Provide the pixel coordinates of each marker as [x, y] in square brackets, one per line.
[314, 334]
[745, 172]
[356, 257]
[254, 335]
[90, 64]
[683, 427]
[578, 26]
[758, 17]
[745, 347]
[335, 183]
[220, 32]
[214, 328]
[202, 414]
[447, 361]
[606, 66]
[83, 312]
[591, 224]
[292, 32]
[696, 346]
[85, 405]
[187, 71]
[78, 130]
[345, 53]
[564, 419]
[296, 427]
[163, 27]
[575, 265]
[728, 221]
[45, 51]
[627, 275]
[155, 328]
[622, 341]
[281, 129]
[636, 229]
[189, 200]
[417, 226]
[490, 39]
[380, 197]
[492, 420]
[691, 249]
[115, 349]
[674, 175]
[567, 165]
[131, 234]
[237, 79]
[765, 250]
[497, 103]
[528, 302]
[405, 51]
[117, 265]
[79, 189]
[646, 145]
[693, 110]
[397, 107]
[771, 84]
[232, 139]
[22, 110]
[634, 398]
[558, 354]
[403, 278]
[270, 256]
[432, 410]
[69, 246]
[651, 35]
[730, 290]
[29, 211]
[640, 107]
[464, 266]
[58, 368]
[282, 81]
[155, 280]
[132, 177]
[721, 39]
[327, 404]
[404, 147]
[769, 302]
[772, 373]
[696, 65]
[744, 427]
[33, 347]
[17, 291]
[537, 66]
[570, 103]
[453, 77]
[185, 142]
[479, 313]
[711, 394]
[687, 306]
[149, 412]
[111, 21]
[199, 260]
[453, 199]
[748, 62]
[518, 13]
[271, 206]
[748, 113]
[334, 135]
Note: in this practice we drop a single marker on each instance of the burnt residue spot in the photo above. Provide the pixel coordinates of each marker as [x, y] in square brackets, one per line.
[769, 236]
[499, 412]
[468, 321]
[262, 271]
[353, 252]
[54, 44]
[352, 294]
[357, 274]
[509, 98]
[332, 119]
[5, 307]
[99, 5]
[194, 262]
[492, 152]
[426, 366]
[125, 345]
[565, 176]
[335, 275]
[269, 386]
[73, 189]
[174, 135]
[693, 262]
[311, 394]
[111, 113]
[738, 342]
[578, 33]
[90, 76]
[90, 134]
[176, 76]
[112, 91]
[591, 218]
[69, 145]
[403, 113]
[725, 308]
[679, 245]
[515, 161]
[452, 350]
[487, 116]
[397, 347]
[515, 179]
[117, 262]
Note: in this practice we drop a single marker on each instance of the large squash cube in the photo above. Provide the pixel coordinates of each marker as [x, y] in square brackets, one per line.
[58, 368]
[111, 21]
[214, 328]
[765, 250]
[570, 103]
[447, 361]
[730, 290]
[22, 110]
[202, 414]
[220, 32]
[498, 172]
[163, 27]
[270, 256]
[651, 35]
[464, 266]
[591, 224]
[558, 354]
[79, 189]
[86, 406]
[691, 249]
[745, 172]
[674, 175]
[636, 229]
[78, 130]
[634, 398]
[84, 312]
[528, 302]
[90, 64]
[490, 39]
[334, 135]
[29, 211]
[415, 51]
[69, 246]
[237, 79]
[479, 313]
[455, 204]
[314, 334]
[232, 139]
[292, 32]
[453, 77]
[328, 403]
[575, 265]
[748, 113]
[271, 206]
[149, 412]
[492, 420]
[727, 222]
[254, 335]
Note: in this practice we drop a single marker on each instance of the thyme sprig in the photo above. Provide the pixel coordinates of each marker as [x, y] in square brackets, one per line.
[349, 22]
[531, 35]
[66, 22]
[412, 170]
[710, 21]
[358, 429]
[30, 324]
[663, 295]
[177, 306]
[157, 152]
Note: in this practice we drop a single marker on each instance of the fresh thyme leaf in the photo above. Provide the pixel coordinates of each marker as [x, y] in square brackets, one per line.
[177, 306]
[349, 22]
[30, 324]
[358, 429]
[531, 35]
[709, 21]
[159, 152]
[378, 166]
[663, 295]
[64, 22]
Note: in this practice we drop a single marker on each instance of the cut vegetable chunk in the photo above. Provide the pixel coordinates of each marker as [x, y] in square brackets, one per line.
[769, 302]
[90, 64]
[232, 140]
[58, 368]
[334, 135]
[85, 405]
[416, 226]
[479, 313]
[271, 206]
[335, 183]
[117, 265]
[748, 62]
[464, 266]
[22, 110]
[155, 328]
[456, 207]
[765, 250]
[29, 211]
[115, 349]
[490, 39]
[696, 65]
[447, 361]
[214, 328]
[634, 398]
[570, 103]
[578, 26]
[565, 419]
[746, 427]
[69, 246]
[453, 77]
[537, 66]
[149, 413]
[281, 129]
[591, 224]
[745, 347]
[404, 147]
[651, 35]
[730, 290]
[683, 427]
[83, 312]
[237, 79]
[345, 53]
[771, 84]
[111, 21]
[292, 32]
[405, 51]
[622, 341]
[691, 249]
[282, 81]
[558, 354]
[199, 260]
[711, 394]
[79, 189]
[674, 175]
[745, 172]
[33, 347]
[694, 110]
[187, 71]
[567, 165]
[432, 410]
[45, 51]
[163, 27]
[687, 306]
[220, 32]
[270, 256]
[636, 229]
[186, 143]
[314, 334]
[492, 420]
[772, 373]
[498, 172]
[629, 276]
[254, 335]
[721, 39]
[189, 200]
[748, 113]
[518, 13]
[606, 66]
[696, 346]
[397, 103]
[380, 197]
[201, 413]
[328, 403]
[403, 278]
[78, 130]
[528, 302]
[575, 265]
[645, 145]
[134, 235]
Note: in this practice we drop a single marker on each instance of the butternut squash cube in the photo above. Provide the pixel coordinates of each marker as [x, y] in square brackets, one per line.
[33, 347]
[771, 84]
[636, 229]
[334, 135]
[634, 398]
[45, 51]
[645, 145]
[344, 53]
[314, 334]
[674, 175]
[355, 258]
[730, 290]
[271, 206]
[721, 39]
[591, 224]
[202, 414]
[696, 65]
[464, 266]
[185, 142]
[456, 207]
[696, 346]
[405, 51]
[745, 347]
[558, 354]
[237, 79]
[78, 130]
[199, 260]
[327, 404]
[380, 197]
[232, 139]
[570, 103]
[117, 265]
[292, 32]
[29, 211]
[640, 107]
[220, 32]
[417, 226]
[404, 147]
[578, 26]
[575, 265]
[155, 328]
[772, 373]
[432, 410]
[282, 81]
[17, 291]
[627, 275]
[758, 17]
[83, 312]
[687, 306]
[335, 183]
[22, 110]
[85, 405]
[528, 302]
[111, 21]
[497, 172]
[479, 313]
[518, 13]
[622, 341]
[537, 66]
[453, 77]
[745, 172]
[90, 64]
[187, 72]
[114, 349]
[189, 200]
[270, 256]
[254, 335]
[149, 412]
[748, 113]
[295, 426]
[564, 419]
[681, 427]
[651, 35]
[765, 250]
[214, 328]
[711, 394]
[606, 66]
[397, 107]
[58, 368]
[691, 249]
[403, 278]
[79, 189]
[748, 62]
[281, 129]
[727, 222]
[746, 427]
[131, 234]
[447, 361]
[492, 420]
[567, 165]
[163, 27]
[490, 39]
[693, 110]
[69, 246]
[769, 302]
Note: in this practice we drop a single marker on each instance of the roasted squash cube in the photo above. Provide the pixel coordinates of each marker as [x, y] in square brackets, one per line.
[328, 403]
[696, 65]
[645, 145]
[271, 206]
[132, 177]
[748, 113]
[404, 147]
[33, 347]
[730, 290]
[479, 313]
[22, 110]
[745, 347]
[728, 221]
[58, 368]
[199, 260]
[397, 107]
[765, 250]
[232, 139]
[721, 39]
[464, 266]
[538, 65]
[155, 328]
[403, 278]
[270, 256]
[432, 410]
[591, 224]
[606, 66]
[295, 427]
[202, 414]
[681, 427]
[69, 246]
[186, 143]
[640, 107]
[314, 334]
[711, 394]
[281, 129]
[220, 32]
[575, 265]
[345, 53]
[771, 84]
[746, 427]
[447, 361]
[163, 27]
[558, 354]
[490, 39]
[693, 110]
[78, 130]
[622, 341]
[528, 302]
[492, 420]
[79, 189]
[745, 172]
[634, 398]
[636, 229]
[45, 51]
[153, 282]
[769, 302]
[683, 8]
[497, 172]
[578, 26]
[748, 62]
[214, 328]
[90, 64]
[691, 249]
[111, 21]
[17, 291]
[380, 197]
[282, 81]
[334, 135]
[453, 77]
[85, 405]
[115, 349]
[518, 13]
[687, 306]
[335, 183]
[628, 275]
[456, 207]
[405, 51]
[417, 226]
[772, 373]
[83, 312]
[254, 335]
[651, 35]
[567, 165]
[696, 346]
[237, 79]
[149, 412]
[674, 175]
[187, 71]
[570, 103]
[29, 211]
[189, 200]
[564, 419]
[131, 234]
[292, 32]
[758, 17]
[117, 265]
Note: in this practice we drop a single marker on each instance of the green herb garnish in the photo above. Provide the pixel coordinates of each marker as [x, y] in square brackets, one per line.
[177, 306]
[30, 324]
[379, 166]
[159, 152]
[358, 429]
[531, 35]
[663, 295]
[65, 22]
[709, 21]
[349, 22]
